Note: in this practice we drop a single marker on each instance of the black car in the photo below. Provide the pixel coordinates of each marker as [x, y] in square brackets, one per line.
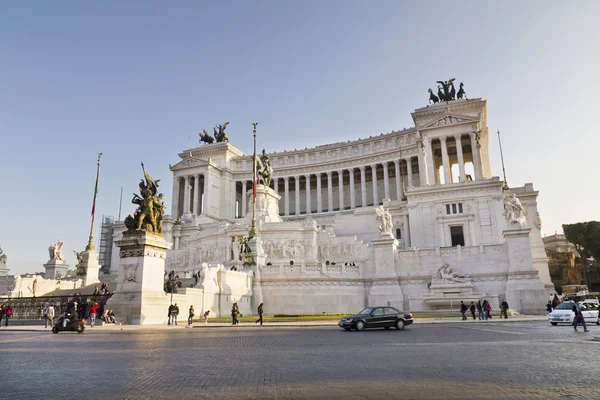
[377, 317]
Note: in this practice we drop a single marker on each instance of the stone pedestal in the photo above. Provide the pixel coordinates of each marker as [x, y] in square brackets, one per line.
[55, 269]
[267, 205]
[90, 267]
[140, 298]
[447, 295]
[385, 289]
[524, 292]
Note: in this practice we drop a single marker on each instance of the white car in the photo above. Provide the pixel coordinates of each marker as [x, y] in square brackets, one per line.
[563, 313]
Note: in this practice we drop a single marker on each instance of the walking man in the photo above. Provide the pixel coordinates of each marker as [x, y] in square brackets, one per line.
[473, 309]
[191, 315]
[578, 318]
[260, 313]
[479, 310]
[206, 314]
[170, 314]
[50, 313]
[504, 309]
[174, 314]
[463, 310]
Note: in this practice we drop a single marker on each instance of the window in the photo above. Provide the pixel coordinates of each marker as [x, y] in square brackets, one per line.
[398, 233]
[454, 208]
[390, 311]
[378, 312]
[456, 233]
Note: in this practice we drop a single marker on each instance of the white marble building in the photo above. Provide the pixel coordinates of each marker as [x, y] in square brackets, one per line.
[324, 251]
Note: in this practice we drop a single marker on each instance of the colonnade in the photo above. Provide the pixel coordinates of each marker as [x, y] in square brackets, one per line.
[428, 161]
[188, 194]
[356, 187]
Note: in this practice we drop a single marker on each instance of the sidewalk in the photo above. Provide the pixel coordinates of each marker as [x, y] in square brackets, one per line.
[201, 325]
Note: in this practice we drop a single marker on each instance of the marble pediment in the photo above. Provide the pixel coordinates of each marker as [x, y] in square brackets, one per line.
[449, 119]
[187, 163]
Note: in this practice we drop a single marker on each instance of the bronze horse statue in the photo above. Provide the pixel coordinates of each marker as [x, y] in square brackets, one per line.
[206, 138]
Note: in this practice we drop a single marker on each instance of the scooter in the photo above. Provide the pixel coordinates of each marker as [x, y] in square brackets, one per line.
[77, 325]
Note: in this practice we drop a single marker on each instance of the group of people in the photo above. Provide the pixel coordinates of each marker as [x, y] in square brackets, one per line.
[102, 291]
[484, 310]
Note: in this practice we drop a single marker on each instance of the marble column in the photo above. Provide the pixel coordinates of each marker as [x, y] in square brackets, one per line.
[186, 195]
[405, 232]
[386, 181]
[363, 187]
[329, 192]
[409, 171]
[475, 148]
[175, 197]
[196, 190]
[375, 189]
[398, 171]
[276, 185]
[244, 200]
[233, 199]
[341, 189]
[352, 192]
[297, 194]
[319, 194]
[461, 159]
[445, 161]
[286, 187]
[308, 205]
[422, 158]
[429, 162]
[206, 193]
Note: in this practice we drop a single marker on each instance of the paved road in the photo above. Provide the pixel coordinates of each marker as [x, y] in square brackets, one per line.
[450, 361]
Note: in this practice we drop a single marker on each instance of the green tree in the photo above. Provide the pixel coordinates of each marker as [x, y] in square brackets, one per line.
[586, 238]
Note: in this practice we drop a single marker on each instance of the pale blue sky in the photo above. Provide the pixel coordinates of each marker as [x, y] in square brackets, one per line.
[138, 80]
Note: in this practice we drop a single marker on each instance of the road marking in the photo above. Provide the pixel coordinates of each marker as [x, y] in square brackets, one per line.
[492, 330]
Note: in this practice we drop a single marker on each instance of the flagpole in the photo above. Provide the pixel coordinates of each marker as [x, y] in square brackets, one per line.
[505, 184]
[90, 245]
[253, 229]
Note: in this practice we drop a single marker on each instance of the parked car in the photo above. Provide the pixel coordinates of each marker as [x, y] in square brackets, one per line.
[377, 317]
[563, 313]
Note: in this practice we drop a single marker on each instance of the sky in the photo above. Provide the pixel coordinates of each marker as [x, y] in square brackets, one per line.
[138, 80]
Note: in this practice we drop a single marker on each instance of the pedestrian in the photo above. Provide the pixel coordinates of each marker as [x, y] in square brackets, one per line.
[578, 319]
[8, 314]
[191, 315]
[174, 314]
[206, 314]
[2, 311]
[234, 313]
[50, 313]
[489, 310]
[549, 307]
[93, 311]
[260, 313]
[479, 310]
[463, 310]
[170, 314]
[504, 309]
[473, 309]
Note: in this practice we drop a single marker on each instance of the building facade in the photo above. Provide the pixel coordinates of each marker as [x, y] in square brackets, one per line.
[324, 249]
